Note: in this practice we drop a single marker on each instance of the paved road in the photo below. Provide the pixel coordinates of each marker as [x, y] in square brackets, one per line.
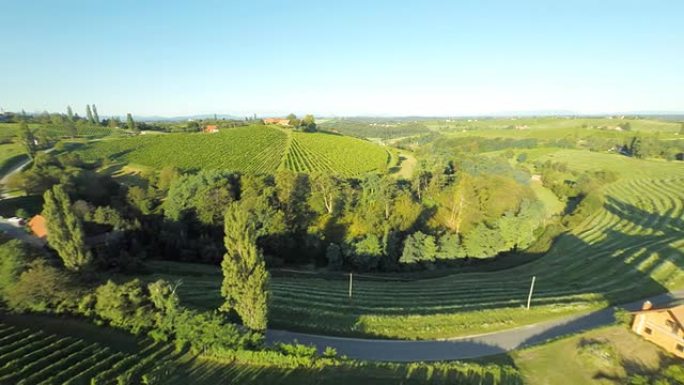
[465, 347]
[15, 170]
[19, 233]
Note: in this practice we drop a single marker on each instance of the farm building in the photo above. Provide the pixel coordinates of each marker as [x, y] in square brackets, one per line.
[210, 129]
[38, 226]
[278, 121]
[664, 327]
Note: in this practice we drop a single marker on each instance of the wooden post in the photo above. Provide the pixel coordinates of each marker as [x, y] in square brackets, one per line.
[350, 284]
[529, 297]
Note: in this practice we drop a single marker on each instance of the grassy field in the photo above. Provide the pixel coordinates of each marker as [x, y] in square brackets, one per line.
[11, 154]
[45, 350]
[602, 356]
[630, 248]
[260, 149]
[537, 126]
[10, 130]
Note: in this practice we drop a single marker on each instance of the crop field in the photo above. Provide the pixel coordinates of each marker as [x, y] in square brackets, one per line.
[330, 153]
[47, 350]
[259, 149]
[629, 249]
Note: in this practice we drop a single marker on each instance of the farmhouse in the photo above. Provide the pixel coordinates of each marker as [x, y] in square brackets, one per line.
[210, 129]
[278, 121]
[664, 327]
[38, 226]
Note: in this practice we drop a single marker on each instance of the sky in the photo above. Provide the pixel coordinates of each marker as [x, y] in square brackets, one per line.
[342, 58]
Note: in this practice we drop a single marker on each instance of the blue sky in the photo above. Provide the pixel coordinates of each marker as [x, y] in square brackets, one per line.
[342, 57]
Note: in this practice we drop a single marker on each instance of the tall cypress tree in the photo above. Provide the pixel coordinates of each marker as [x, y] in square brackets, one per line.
[70, 124]
[27, 138]
[89, 114]
[131, 124]
[96, 117]
[65, 230]
[245, 279]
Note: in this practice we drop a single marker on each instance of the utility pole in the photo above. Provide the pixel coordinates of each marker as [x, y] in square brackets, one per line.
[529, 297]
[351, 279]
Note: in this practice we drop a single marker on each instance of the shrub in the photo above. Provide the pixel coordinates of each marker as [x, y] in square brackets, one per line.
[43, 288]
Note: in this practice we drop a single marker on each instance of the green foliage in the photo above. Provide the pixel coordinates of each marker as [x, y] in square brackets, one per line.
[203, 195]
[623, 317]
[130, 124]
[333, 255]
[65, 230]
[40, 288]
[419, 247]
[125, 306]
[245, 279]
[27, 139]
[13, 261]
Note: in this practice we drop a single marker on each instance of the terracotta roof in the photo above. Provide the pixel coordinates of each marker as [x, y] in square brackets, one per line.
[38, 226]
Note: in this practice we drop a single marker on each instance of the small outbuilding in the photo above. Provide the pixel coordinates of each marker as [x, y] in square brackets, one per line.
[210, 129]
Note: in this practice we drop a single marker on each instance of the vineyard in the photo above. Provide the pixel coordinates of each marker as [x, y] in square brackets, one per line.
[629, 249]
[329, 153]
[258, 149]
[44, 350]
[254, 148]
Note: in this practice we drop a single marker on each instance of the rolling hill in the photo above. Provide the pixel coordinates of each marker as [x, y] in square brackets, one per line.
[255, 148]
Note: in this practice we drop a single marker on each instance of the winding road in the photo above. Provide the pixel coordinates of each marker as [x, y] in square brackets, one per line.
[466, 347]
[429, 350]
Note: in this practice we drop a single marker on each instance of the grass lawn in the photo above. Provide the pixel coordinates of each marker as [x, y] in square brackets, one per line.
[593, 358]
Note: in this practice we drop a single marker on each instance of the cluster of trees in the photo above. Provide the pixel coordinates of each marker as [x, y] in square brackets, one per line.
[464, 208]
[651, 147]
[30, 281]
[471, 208]
[306, 124]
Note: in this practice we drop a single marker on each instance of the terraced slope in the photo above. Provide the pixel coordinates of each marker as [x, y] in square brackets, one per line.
[631, 248]
[260, 149]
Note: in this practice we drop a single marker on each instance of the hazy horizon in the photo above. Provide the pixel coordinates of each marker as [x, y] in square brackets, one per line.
[344, 59]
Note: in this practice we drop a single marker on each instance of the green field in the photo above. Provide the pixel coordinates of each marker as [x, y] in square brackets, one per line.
[596, 357]
[10, 130]
[48, 350]
[260, 149]
[11, 154]
[629, 249]
[537, 126]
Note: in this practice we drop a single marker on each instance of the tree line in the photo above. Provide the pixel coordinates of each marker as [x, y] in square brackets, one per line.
[467, 208]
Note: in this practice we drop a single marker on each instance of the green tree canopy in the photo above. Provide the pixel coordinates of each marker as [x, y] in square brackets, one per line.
[65, 230]
[245, 279]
